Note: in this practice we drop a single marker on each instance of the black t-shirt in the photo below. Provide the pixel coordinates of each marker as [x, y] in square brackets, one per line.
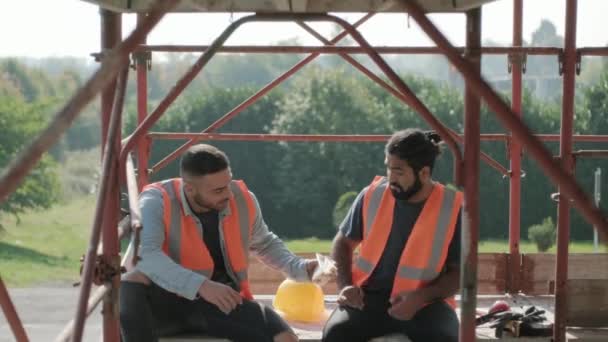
[211, 238]
[404, 217]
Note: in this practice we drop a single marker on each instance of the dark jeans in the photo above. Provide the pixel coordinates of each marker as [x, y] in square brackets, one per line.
[435, 322]
[149, 312]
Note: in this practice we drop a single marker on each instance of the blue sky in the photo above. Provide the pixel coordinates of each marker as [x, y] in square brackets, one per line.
[39, 28]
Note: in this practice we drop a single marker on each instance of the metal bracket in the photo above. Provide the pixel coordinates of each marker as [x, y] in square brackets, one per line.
[577, 65]
[517, 58]
[141, 58]
[99, 56]
[106, 267]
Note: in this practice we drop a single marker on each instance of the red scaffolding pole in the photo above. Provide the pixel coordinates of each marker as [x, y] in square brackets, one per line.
[142, 60]
[470, 218]
[567, 162]
[515, 153]
[396, 50]
[11, 314]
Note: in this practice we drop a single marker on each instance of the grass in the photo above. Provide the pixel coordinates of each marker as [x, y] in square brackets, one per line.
[489, 246]
[45, 247]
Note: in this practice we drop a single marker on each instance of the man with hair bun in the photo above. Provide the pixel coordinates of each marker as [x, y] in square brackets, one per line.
[407, 228]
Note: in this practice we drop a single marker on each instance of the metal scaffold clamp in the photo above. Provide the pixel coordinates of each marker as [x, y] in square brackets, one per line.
[517, 58]
[577, 66]
[141, 58]
[106, 267]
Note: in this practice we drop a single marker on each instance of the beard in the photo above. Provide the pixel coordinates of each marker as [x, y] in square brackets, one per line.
[201, 202]
[401, 194]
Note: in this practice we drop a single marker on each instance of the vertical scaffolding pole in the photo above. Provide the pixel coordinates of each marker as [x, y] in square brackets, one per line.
[111, 35]
[515, 152]
[472, 106]
[142, 60]
[11, 314]
[567, 161]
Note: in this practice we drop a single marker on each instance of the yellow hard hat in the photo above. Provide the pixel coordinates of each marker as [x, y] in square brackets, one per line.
[302, 302]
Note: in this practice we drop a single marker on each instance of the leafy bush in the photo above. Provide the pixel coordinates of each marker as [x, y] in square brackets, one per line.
[342, 206]
[543, 235]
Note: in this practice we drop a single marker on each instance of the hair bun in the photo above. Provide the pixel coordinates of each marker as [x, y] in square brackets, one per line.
[433, 137]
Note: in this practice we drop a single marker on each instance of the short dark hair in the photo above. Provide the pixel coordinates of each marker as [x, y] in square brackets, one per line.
[203, 159]
[417, 148]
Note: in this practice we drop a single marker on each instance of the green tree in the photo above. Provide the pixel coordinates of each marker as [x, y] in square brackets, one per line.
[19, 122]
[342, 206]
[312, 176]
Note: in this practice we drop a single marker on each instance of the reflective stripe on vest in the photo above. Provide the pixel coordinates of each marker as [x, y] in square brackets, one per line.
[424, 254]
[184, 243]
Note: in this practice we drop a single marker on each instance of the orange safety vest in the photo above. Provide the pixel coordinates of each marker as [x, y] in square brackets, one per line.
[183, 240]
[426, 249]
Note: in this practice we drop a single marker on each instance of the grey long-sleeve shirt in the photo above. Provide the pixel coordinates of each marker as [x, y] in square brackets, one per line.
[166, 273]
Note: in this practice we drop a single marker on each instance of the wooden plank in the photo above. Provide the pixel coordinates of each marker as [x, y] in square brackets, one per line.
[587, 302]
[492, 275]
[539, 269]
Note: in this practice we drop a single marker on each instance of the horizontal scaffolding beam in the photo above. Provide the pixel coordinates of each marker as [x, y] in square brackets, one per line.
[341, 137]
[345, 49]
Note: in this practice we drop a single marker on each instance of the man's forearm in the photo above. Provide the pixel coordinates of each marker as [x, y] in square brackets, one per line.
[342, 254]
[445, 286]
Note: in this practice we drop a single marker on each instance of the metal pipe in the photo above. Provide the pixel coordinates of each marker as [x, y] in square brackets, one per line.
[397, 50]
[134, 210]
[19, 168]
[112, 98]
[514, 124]
[111, 35]
[545, 137]
[331, 137]
[591, 153]
[108, 177]
[567, 163]
[143, 148]
[515, 153]
[493, 163]
[11, 314]
[593, 51]
[236, 110]
[470, 234]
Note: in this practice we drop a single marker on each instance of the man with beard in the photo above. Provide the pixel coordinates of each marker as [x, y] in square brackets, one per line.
[192, 276]
[407, 228]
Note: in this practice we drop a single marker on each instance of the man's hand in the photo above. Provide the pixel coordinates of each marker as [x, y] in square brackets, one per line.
[220, 295]
[351, 296]
[406, 304]
[311, 266]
